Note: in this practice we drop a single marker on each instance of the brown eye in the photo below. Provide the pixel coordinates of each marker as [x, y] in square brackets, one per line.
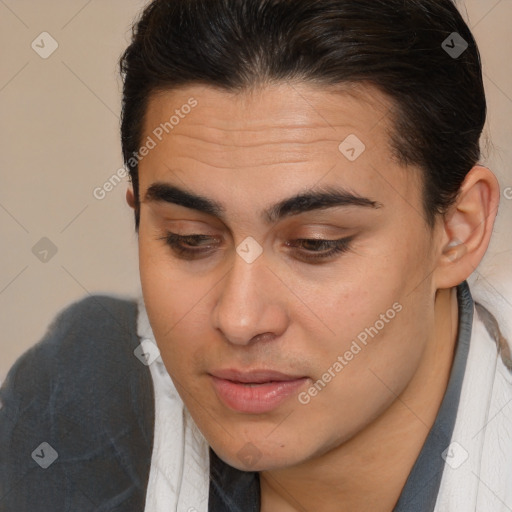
[196, 246]
[320, 249]
[186, 246]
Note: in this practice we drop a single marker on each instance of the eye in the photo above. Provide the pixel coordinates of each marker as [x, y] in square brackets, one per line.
[320, 249]
[185, 246]
[195, 246]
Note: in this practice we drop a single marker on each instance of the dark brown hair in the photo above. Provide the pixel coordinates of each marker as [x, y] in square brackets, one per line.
[396, 45]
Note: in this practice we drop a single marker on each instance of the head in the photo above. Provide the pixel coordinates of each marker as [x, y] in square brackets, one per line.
[318, 160]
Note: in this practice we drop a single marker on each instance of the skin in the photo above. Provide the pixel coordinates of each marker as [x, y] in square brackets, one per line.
[356, 441]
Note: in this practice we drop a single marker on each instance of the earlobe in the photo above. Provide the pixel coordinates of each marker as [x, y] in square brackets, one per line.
[130, 197]
[468, 227]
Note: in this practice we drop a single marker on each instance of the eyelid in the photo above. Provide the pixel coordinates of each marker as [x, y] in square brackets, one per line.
[336, 247]
[176, 237]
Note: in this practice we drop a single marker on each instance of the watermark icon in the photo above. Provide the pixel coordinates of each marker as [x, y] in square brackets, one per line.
[352, 147]
[147, 352]
[249, 250]
[44, 45]
[454, 45]
[455, 455]
[507, 193]
[45, 455]
[44, 250]
[362, 339]
[249, 454]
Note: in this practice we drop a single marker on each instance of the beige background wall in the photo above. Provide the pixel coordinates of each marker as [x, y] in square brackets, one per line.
[59, 141]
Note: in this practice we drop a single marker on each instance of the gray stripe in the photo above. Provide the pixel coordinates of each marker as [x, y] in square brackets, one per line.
[422, 486]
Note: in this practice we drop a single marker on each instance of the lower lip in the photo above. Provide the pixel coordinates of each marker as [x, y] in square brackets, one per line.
[256, 398]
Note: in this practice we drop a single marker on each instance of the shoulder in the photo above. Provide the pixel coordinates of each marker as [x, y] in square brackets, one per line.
[95, 315]
[81, 390]
[90, 338]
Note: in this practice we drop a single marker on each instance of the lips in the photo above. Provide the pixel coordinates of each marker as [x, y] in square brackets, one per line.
[254, 376]
[255, 391]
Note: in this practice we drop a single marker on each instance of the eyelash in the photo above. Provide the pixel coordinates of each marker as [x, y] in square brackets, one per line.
[174, 241]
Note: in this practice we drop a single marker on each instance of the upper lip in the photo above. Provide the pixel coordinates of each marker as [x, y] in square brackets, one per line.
[253, 376]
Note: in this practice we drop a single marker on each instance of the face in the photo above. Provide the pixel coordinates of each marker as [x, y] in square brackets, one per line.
[279, 319]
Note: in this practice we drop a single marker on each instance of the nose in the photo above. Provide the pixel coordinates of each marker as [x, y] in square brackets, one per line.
[249, 306]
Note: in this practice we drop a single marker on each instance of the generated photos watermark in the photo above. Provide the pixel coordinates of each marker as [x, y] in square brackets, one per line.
[149, 144]
[355, 348]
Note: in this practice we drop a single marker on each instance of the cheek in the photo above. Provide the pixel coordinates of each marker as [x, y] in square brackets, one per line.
[359, 380]
[160, 279]
[174, 307]
[376, 317]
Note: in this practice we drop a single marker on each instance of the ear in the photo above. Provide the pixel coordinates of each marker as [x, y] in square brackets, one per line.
[467, 228]
[130, 197]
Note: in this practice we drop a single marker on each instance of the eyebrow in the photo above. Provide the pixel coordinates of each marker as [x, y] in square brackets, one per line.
[319, 198]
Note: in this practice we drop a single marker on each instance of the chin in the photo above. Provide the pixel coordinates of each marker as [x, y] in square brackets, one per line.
[259, 455]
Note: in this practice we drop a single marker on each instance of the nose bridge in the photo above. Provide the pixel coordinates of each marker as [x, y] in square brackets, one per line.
[243, 308]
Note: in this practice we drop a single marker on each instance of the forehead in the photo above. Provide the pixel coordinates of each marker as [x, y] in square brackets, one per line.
[273, 139]
[273, 111]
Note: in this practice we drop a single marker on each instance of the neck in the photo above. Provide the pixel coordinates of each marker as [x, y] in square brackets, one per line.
[368, 472]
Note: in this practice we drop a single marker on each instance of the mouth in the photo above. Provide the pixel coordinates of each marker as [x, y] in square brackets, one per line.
[255, 391]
